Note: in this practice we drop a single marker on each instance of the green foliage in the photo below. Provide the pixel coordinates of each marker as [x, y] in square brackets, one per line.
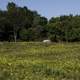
[16, 19]
[65, 27]
[26, 35]
[19, 23]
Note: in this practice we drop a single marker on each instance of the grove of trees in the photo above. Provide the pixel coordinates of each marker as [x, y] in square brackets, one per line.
[22, 24]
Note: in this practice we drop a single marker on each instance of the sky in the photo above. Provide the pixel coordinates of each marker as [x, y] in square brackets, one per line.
[48, 8]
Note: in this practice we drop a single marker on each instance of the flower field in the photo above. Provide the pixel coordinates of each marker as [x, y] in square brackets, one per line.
[39, 61]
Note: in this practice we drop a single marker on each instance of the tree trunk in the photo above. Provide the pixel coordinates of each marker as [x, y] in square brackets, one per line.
[15, 37]
[15, 33]
[66, 36]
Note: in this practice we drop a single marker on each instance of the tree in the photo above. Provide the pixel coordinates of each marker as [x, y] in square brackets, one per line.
[19, 17]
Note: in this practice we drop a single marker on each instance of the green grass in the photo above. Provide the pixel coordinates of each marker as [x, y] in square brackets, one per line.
[38, 61]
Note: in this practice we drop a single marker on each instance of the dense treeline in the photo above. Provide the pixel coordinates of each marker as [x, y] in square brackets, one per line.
[22, 24]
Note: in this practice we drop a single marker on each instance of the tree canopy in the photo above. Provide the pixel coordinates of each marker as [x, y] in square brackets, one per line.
[22, 24]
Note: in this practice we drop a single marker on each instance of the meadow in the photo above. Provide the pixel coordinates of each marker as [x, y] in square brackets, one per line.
[39, 61]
